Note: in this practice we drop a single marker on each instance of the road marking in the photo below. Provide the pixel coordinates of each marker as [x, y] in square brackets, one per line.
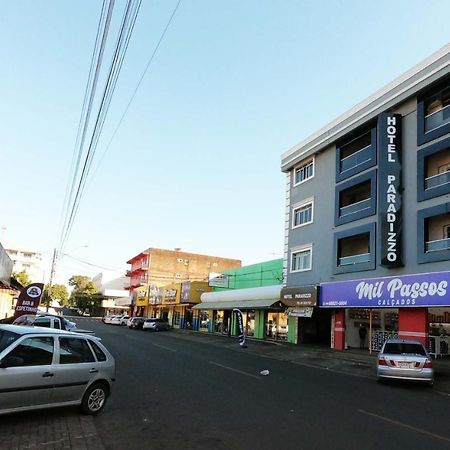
[234, 370]
[328, 369]
[404, 425]
[164, 347]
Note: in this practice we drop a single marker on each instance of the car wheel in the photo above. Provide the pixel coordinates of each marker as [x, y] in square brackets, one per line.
[156, 328]
[94, 399]
[431, 383]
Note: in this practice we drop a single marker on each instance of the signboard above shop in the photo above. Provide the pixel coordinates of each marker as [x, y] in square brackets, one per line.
[299, 296]
[218, 280]
[408, 291]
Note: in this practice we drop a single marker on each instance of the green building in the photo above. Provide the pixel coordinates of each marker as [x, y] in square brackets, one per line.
[255, 290]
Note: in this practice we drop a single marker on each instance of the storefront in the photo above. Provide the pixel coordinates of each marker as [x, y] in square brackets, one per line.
[263, 314]
[191, 292]
[310, 324]
[367, 312]
[141, 301]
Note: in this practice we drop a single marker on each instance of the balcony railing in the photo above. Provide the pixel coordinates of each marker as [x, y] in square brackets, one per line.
[355, 207]
[437, 119]
[357, 158]
[437, 180]
[440, 244]
[354, 259]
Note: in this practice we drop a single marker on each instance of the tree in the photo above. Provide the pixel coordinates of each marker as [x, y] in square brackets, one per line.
[85, 295]
[22, 277]
[59, 292]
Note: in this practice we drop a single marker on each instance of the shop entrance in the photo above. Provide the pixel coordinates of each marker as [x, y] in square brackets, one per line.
[315, 329]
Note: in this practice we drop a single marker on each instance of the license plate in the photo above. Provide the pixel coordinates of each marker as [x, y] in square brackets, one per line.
[404, 365]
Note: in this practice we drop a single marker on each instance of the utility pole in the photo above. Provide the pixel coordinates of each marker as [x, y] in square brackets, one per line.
[52, 274]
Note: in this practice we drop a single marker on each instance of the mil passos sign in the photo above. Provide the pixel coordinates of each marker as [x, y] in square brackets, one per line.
[420, 290]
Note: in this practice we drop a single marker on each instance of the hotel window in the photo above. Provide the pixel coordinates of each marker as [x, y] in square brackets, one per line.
[304, 172]
[433, 167]
[433, 114]
[301, 259]
[355, 198]
[354, 249]
[355, 155]
[433, 234]
[302, 214]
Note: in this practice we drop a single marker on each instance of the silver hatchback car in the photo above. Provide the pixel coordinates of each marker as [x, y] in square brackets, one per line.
[405, 359]
[45, 368]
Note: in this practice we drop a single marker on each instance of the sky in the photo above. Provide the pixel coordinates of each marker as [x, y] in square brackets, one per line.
[195, 163]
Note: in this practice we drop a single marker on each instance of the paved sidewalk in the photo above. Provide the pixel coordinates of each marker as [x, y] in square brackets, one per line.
[49, 430]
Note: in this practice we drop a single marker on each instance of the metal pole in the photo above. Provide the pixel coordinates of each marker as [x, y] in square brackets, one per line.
[370, 332]
[52, 274]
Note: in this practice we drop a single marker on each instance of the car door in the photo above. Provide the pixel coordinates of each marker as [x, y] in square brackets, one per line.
[26, 378]
[75, 368]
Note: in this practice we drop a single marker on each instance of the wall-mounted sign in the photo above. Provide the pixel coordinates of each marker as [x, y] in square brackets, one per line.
[218, 280]
[408, 291]
[390, 189]
[185, 291]
[300, 312]
[299, 296]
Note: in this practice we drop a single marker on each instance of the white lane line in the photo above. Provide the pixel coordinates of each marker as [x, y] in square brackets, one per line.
[164, 347]
[404, 425]
[234, 370]
[328, 369]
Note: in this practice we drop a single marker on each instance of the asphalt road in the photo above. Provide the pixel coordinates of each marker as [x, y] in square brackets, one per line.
[177, 392]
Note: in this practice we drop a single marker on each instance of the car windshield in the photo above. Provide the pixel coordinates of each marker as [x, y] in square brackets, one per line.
[404, 348]
[6, 338]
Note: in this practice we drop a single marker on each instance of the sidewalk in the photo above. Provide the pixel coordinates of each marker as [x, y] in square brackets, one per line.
[354, 362]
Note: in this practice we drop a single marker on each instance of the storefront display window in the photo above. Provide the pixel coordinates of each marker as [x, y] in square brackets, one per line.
[176, 318]
[250, 324]
[379, 325]
[276, 326]
[439, 331]
[205, 318]
[218, 321]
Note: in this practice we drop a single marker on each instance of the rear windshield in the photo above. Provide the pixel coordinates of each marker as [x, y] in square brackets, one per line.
[6, 338]
[404, 349]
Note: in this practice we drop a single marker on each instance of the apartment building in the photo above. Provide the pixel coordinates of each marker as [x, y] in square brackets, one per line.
[367, 222]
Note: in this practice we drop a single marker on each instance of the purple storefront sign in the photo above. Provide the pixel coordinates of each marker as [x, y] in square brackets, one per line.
[419, 290]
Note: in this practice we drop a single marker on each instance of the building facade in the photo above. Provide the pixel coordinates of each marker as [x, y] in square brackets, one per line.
[255, 290]
[367, 219]
[26, 260]
[155, 268]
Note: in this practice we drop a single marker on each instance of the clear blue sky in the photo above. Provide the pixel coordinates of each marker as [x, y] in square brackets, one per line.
[196, 162]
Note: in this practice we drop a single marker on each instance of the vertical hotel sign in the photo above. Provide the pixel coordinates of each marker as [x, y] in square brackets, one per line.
[390, 221]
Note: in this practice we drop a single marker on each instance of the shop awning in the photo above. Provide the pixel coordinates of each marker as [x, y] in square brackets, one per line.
[251, 298]
[250, 304]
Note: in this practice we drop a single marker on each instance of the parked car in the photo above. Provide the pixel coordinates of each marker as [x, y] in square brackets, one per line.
[124, 320]
[45, 368]
[406, 360]
[136, 322]
[118, 320]
[47, 321]
[155, 324]
[110, 319]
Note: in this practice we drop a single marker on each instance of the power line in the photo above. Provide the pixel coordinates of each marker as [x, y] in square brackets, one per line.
[150, 61]
[96, 62]
[126, 29]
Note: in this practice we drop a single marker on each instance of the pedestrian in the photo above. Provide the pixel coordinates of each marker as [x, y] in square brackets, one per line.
[362, 336]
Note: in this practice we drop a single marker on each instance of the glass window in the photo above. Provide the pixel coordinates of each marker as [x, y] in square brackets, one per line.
[7, 338]
[303, 214]
[43, 322]
[301, 260]
[98, 351]
[74, 351]
[204, 320]
[304, 172]
[250, 324]
[35, 351]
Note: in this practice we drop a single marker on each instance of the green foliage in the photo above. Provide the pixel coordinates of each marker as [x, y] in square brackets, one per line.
[22, 277]
[85, 295]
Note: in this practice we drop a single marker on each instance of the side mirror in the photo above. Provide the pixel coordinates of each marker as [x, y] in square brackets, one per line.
[11, 361]
[3, 364]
